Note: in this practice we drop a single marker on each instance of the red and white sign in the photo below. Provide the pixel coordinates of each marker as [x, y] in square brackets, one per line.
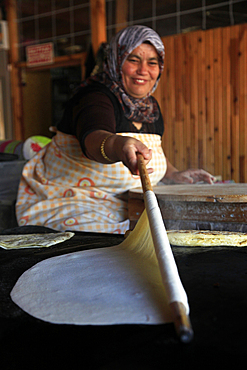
[41, 54]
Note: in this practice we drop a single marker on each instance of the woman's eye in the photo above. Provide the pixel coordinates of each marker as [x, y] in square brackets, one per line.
[153, 63]
[133, 60]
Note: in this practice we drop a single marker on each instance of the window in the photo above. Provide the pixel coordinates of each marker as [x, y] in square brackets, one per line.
[66, 23]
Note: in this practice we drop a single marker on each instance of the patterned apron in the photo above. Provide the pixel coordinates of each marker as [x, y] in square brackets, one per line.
[62, 189]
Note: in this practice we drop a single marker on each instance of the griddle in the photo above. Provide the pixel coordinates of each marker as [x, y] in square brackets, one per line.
[215, 280]
[201, 206]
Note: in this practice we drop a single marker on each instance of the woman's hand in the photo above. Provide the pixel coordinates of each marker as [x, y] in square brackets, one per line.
[117, 148]
[126, 149]
[191, 176]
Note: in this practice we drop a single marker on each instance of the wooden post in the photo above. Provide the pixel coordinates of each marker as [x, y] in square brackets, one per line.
[122, 9]
[18, 129]
[98, 23]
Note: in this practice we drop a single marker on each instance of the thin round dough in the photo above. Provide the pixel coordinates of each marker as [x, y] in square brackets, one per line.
[114, 285]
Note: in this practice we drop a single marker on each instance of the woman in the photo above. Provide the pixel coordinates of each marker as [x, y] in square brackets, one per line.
[77, 181]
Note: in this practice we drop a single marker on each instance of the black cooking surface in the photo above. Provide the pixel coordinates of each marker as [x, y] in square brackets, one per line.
[215, 280]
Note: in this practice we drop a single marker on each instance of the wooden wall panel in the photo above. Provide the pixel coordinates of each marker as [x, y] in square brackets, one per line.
[203, 98]
[218, 121]
[226, 105]
[234, 66]
[201, 76]
[179, 113]
[192, 121]
[243, 102]
[185, 128]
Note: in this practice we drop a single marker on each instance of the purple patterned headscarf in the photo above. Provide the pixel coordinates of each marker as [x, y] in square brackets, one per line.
[122, 44]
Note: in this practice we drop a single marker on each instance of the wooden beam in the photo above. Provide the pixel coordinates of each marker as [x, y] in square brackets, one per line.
[122, 10]
[98, 23]
[18, 129]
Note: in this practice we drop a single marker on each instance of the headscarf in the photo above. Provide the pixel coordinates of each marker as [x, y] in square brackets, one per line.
[122, 44]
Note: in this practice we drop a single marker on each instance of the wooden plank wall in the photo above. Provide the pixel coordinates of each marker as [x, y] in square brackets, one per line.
[203, 98]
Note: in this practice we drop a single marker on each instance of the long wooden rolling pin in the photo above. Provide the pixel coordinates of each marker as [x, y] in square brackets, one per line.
[176, 294]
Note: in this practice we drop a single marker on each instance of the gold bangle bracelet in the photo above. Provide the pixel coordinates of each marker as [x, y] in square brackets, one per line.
[102, 148]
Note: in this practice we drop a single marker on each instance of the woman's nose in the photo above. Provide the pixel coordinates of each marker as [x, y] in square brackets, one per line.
[142, 68]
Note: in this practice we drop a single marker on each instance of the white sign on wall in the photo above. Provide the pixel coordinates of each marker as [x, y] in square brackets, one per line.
[38, 55]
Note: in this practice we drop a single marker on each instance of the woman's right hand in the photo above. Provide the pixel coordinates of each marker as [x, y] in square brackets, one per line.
[126, 149]
[117, 148]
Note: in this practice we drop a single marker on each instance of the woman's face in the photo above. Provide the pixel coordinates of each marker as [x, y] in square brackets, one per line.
[140, 71]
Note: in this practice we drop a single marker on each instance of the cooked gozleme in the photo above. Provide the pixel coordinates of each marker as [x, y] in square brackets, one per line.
[33, 240]
[206, 238]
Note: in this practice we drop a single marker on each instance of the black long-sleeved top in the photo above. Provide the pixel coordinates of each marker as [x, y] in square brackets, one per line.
[95, 107]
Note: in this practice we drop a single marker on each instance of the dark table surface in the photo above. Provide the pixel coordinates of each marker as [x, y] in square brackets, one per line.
[215, 280]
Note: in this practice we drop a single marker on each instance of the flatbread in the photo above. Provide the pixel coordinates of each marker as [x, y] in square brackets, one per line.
[104, 286]
[33, 240]
[206, 238]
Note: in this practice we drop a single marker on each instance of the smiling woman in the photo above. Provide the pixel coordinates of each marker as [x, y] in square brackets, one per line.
[112, 117]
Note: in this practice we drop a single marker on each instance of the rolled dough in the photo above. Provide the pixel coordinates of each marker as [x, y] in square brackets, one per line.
[113, 285]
